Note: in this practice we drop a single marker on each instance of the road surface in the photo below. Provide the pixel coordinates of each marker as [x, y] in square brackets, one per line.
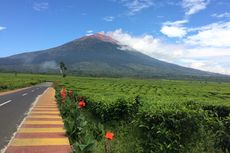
[13, 109]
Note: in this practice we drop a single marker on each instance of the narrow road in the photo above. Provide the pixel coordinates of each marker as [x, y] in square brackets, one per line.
[13, 109]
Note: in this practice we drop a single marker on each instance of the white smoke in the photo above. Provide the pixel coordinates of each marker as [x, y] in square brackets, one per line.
[49, 65]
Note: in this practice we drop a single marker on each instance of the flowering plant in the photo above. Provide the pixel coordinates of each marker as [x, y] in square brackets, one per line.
[63, 94]
[109, 135]
[81, 104]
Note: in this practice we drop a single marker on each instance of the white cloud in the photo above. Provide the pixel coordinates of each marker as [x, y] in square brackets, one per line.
[209, 65]
[214, 59]
[194, 6]
[223, 15]
[147, 44]
[213, 35]
[136, 6]
[2, 28]
[109, 18]
[174, 29]
[89, 32]
[40, 6]
[206, 52]
[176, 23]
[49, 65]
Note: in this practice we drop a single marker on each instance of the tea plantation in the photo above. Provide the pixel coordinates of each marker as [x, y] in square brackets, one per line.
[147, 116]
[144, 116]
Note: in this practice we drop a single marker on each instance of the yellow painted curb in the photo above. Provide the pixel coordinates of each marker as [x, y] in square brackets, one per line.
[40, 142]
[43, 122]
[48, 109]
[40, 130]
[44, 116]
[45, 112]
[46, 105]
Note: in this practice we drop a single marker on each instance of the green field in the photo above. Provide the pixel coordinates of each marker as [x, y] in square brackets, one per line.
[151, 91]
[9, 81]
[146, 116]
[169, 116]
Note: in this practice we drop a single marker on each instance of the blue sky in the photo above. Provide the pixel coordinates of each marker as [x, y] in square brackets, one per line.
[192, 33]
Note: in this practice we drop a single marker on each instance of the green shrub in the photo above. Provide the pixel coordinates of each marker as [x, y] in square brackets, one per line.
[119, 110]
[218, 111]
[170, 131]
[3, 87]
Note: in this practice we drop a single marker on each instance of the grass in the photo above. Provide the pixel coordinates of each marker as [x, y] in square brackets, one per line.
[10, 81]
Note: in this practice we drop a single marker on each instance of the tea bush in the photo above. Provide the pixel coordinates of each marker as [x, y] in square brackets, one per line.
[121, 109]
[161, 116]
[171, 131]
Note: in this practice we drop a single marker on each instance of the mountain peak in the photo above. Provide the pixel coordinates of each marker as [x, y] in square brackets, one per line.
[100, 36]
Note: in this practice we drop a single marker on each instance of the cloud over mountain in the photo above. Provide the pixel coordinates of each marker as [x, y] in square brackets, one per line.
[184, 53]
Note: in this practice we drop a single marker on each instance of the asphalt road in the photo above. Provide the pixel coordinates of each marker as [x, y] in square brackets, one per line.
[13, 109]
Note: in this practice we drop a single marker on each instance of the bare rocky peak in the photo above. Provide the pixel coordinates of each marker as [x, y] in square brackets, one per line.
[102, 37]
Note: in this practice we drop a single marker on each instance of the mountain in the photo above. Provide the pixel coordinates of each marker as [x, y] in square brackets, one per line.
[97, 55]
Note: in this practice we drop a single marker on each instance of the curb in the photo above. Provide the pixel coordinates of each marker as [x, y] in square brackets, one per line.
[42, 131]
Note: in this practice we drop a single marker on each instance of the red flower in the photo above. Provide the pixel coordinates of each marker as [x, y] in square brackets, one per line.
[63, 94]
[109, 135]
[71, 93]
[81, 104]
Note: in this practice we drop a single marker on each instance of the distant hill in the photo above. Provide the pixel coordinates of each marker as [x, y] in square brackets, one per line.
[97, 55]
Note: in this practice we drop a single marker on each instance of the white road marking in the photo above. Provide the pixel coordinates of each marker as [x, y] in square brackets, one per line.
[5, 103]
[24, 94]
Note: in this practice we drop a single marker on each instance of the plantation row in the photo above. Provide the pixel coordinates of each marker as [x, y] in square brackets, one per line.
[152, 91]
[188, 121]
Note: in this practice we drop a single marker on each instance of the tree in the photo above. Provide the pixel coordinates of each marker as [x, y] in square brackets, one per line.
[15, 73]
[63, 69]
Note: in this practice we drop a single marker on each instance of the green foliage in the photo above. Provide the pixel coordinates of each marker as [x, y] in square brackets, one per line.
[3, 87]
[170, 131]
[220, 127]
[145, 115]
[63, 69]
[77, 127]
[169, 116]
[121, 109]
[10, 81]
[218, 111]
